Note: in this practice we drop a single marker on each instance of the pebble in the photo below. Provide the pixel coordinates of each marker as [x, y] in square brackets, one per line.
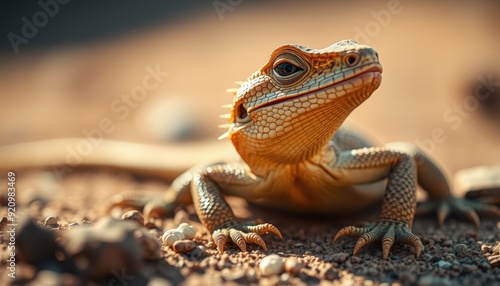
[331, 274]
[188, 230]
[460, 249]
[29, 239]
[293, 265]
[134, 215]
[199, 251]
[447, 243]
[149, 243]
[108, 245]
[444, 264]
[466, 268]
[183, 246]
[271, 264]
[171, 236]
[356, 259]
[340, 257]
[50, 221]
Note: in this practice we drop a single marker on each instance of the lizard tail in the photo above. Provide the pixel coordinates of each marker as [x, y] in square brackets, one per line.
[149, 160]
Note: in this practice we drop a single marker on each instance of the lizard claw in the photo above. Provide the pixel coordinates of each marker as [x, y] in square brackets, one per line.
[243, 234]
[386, 231]
[463, 207]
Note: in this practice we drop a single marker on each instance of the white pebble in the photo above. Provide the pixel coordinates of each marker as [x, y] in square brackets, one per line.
[170, 236]
[188, 230]
[271, 264]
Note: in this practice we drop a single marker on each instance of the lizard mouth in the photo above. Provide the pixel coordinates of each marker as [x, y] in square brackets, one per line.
[369, 69]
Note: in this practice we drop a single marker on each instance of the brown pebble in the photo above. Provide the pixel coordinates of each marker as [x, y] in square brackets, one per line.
[293, 265]
[50, 221]
[183, 246]
[134, 215]
[331, 274]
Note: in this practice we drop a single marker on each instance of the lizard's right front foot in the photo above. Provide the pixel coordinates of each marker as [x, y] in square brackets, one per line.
[241, 234]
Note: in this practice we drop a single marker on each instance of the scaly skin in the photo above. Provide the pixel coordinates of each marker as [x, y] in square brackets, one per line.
[286, 124]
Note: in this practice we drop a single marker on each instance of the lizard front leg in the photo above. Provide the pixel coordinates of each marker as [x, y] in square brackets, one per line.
[216, 214]
[399, 201]
[440, 198]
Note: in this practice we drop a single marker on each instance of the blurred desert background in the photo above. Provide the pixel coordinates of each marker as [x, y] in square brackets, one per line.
[88, 61]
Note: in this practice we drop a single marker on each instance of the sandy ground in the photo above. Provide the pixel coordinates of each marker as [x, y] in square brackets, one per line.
[436, 58]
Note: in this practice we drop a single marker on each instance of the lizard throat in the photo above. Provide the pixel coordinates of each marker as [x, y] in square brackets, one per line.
[369, 69]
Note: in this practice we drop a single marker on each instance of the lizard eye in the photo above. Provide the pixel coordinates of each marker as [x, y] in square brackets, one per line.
[242, 114]
[286, 69]
[351, 59]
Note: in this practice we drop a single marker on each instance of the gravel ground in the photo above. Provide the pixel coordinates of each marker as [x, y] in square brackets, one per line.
[453, 255]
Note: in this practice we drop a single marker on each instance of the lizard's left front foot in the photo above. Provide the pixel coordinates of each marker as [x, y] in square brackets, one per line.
[241, 234]
[387, 231]
[458, 206]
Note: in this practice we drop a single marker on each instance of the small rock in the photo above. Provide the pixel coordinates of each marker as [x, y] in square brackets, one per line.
[444, 264]
[466, 268]
[149, 243]
[271, 264]
[340, 257]
[50, 221]
[170, 236]
[199, 251]
[293, 265]
[188, 230]
[101, 249]
[447, 243]
[356, 259]
[460, 249]
[183, 246]
[134, 215]
[29, 241]
[331, 274]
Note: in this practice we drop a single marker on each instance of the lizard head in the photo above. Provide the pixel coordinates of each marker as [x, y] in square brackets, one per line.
[288, 110]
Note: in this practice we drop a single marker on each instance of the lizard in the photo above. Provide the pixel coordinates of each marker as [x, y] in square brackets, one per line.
[286, 122]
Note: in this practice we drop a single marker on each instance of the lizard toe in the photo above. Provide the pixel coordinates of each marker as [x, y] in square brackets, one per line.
[242, 234]
[264, 228]
[387, 231]
[220, 237]
[239, 239]
[351, 231]
[458, 206]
